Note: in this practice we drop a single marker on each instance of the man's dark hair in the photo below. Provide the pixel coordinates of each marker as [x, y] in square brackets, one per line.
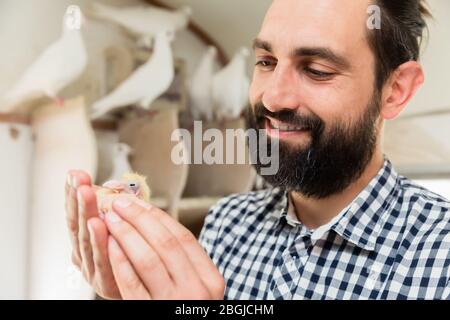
[400, 37]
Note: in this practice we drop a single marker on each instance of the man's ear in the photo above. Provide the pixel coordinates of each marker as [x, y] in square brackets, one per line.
[400, 88]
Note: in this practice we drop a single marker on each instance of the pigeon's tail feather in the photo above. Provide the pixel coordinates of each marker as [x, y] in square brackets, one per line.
[110, 102]
[96, 114]
[100, 108]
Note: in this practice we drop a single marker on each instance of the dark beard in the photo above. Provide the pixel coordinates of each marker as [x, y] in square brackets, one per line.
[334, 158]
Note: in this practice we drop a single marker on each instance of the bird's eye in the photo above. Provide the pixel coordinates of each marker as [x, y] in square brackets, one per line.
[133, 185]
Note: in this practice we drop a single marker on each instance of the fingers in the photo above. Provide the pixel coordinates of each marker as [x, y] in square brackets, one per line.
[166, 245]
[87, 208]
[79, 178]
[74, 179]
[200, 260]
[143, 258]
[72, 221]
[129, 283]
[104, 277]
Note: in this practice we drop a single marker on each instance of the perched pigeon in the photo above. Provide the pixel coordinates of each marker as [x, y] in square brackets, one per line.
[230, 88]
[143, 21]
[59, 65]
[131, 185]
[146, 84]
[200, 90]
[121, 164]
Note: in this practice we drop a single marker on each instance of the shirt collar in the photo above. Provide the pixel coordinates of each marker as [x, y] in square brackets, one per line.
[366, 216]
[362, 220]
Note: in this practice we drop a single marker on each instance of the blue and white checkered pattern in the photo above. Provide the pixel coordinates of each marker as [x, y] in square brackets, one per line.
[391, 242]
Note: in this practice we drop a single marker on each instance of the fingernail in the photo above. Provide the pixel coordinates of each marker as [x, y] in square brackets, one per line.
[112, 217]
[69, 180]
[74, 182]
[122, 202]
[80, 200]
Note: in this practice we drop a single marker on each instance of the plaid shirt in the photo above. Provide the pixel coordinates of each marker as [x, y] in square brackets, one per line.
[391, 242]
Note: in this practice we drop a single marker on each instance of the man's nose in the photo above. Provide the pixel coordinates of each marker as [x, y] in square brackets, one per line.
[283, 89]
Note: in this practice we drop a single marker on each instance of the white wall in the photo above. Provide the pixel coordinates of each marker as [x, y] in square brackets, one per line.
[436, 91]
[14, 205]
[420, 145]
[232, 23]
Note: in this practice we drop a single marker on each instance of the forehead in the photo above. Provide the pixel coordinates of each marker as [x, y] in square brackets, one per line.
[337, 24]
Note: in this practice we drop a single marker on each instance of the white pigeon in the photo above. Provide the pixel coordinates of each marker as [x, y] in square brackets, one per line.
[144, 21]
[200, 90]
[59, 65]
[230, 88]
[146, 84]
[121, 164]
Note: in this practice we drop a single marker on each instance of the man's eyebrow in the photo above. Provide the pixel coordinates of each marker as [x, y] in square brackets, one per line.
[323, 53]
[261, 44]
[313, 52]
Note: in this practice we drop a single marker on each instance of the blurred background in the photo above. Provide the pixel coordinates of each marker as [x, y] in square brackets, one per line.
[103, 85]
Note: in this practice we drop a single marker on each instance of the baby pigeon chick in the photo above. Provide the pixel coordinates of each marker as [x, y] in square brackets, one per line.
[131, 185]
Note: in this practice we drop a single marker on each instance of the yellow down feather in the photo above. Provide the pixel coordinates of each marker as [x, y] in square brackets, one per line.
[131, 176]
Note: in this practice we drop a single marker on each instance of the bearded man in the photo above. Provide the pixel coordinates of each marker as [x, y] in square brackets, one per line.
[338, 221]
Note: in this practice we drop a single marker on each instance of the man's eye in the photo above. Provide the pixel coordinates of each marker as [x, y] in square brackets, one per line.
[264, 63]
[319, 74]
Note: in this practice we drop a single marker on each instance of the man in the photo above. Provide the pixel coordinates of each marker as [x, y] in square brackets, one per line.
[340, 223]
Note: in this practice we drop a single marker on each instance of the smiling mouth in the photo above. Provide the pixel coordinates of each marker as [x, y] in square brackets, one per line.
[274, 124]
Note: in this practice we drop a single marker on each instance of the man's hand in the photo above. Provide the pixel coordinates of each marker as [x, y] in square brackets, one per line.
[89, 235]
[147, 256]
[155, 257]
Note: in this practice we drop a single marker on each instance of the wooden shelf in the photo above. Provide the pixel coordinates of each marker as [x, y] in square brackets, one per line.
[15, 118]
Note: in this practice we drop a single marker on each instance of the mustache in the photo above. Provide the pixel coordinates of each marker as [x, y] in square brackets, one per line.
[290, 117]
